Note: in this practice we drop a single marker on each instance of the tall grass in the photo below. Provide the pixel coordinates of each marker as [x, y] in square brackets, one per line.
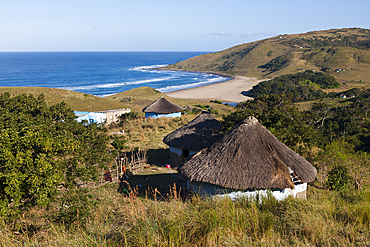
[326, 218]
[148, 133]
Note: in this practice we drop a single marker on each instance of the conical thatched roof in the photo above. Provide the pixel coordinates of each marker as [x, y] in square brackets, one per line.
[248, 157]
[199, 133]
[162, 105]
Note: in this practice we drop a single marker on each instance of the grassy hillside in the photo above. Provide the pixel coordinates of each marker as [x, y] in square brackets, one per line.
[326, 218]
[325, 51]
[73, 100]
[154, 210]
[136, 99]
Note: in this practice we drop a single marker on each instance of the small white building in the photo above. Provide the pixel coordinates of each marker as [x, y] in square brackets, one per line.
[112, 115]
[101, 117]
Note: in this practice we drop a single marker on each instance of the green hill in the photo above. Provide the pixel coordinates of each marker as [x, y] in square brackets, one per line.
[135, 99]
[327, 51]
[73, 100]
[138, 98]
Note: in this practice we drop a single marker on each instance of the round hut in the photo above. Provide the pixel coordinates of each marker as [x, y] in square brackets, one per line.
[162, 108]
[199, 133]
[249, 159]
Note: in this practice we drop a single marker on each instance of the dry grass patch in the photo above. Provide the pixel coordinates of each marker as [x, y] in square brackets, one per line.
[326, 218]
[148, 133]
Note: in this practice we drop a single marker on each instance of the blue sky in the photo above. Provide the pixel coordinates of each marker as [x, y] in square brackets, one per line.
[193, 25]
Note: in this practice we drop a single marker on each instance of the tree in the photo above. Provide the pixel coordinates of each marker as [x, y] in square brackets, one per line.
[41, 148]
[277, 114]
[344, 165]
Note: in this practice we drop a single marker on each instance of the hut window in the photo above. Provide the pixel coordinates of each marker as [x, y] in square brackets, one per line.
[185, 153]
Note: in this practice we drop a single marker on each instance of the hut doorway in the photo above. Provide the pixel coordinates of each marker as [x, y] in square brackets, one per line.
[185, 153]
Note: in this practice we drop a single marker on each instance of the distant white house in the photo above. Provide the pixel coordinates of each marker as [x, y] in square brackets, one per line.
[101, 117]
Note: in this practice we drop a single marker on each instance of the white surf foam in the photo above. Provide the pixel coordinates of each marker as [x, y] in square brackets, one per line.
[150, 67]
[113, 85]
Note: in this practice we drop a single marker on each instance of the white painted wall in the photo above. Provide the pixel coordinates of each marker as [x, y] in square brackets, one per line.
[279, 195]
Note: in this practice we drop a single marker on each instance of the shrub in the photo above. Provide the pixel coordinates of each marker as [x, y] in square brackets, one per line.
[41, 148]
[119, 144]
[338, 178]
[128, 116]
[74, 208]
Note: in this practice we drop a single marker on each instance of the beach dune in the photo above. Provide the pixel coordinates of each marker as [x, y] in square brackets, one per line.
[233, 90]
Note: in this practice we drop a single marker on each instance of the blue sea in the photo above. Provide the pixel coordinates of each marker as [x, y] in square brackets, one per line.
[99, 73]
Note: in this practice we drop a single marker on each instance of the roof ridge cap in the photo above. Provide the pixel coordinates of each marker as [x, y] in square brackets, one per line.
[250, 120]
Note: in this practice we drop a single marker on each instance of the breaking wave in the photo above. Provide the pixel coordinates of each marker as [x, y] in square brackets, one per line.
[113, 85]
[150, 67]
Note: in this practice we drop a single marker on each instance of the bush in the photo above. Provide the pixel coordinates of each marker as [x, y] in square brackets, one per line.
[216, 101]
[41, 148]
[74, 208]
[338, 178]
[128, 116]
[303, 86]
[196, 110]
[119, 144]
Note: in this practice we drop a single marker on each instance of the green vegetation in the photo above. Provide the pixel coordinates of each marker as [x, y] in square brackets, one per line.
[128, 116]
[216, 101]
[275, 64]
[143, 96]
[323, 123]
[43, 148]
[337, 39]
[326, 218]
[74, 100]
[50, 165]
[280, 116]
[46, 143]
[325, 51]
[335, 137]
[206, 108]
[303, 86]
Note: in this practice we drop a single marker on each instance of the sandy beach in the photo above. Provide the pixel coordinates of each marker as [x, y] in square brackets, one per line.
[228, 91]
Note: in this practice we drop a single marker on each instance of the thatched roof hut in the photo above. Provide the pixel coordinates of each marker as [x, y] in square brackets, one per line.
[199, 133]
[248, 157]
[162, 106]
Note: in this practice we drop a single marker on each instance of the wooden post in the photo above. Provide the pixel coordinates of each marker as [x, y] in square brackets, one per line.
[122, 166]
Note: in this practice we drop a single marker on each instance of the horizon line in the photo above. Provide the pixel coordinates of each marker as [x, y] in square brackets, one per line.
[112, 51]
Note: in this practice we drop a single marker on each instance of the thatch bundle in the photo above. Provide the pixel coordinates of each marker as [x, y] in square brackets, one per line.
[162, 106]
[199, 133]
[248, 157]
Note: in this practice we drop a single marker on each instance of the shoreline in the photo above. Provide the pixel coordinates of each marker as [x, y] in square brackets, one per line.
[233, 90]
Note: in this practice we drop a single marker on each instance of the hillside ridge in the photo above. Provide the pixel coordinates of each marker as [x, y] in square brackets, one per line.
[342, 53]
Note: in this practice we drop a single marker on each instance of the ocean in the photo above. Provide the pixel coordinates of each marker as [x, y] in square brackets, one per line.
[99, 73]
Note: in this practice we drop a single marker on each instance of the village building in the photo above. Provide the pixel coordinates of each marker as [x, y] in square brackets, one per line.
[199, 133]
[101, 117]
[112, 115]
[162, 108]
[247, 161]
